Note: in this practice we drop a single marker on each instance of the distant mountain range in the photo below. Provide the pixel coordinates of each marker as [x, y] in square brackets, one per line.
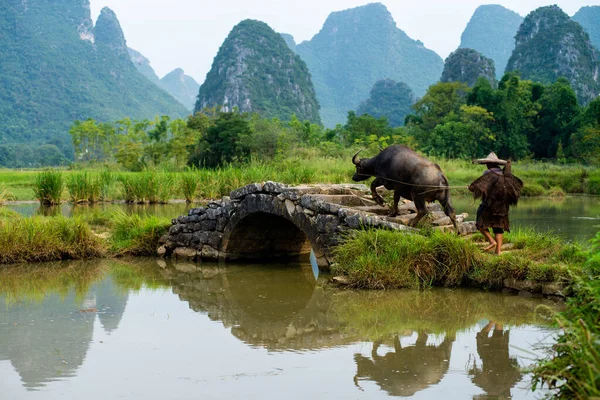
[179, 85]
[56, 67]
[358, 47]
[491, 31]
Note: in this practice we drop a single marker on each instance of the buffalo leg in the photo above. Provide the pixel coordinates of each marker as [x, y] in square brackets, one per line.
[378, 199]
[394, 210]
[449, 211]
[421, 209]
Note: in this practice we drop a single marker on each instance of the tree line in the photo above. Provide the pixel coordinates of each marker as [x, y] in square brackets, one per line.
[517, 119]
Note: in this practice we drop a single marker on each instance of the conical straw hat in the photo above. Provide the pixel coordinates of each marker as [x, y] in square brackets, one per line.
[491, 158]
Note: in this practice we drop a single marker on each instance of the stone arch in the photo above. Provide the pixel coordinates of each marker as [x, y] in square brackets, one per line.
[262, 228]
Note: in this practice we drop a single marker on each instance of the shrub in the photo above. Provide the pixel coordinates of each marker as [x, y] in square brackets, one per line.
[48, 186]
[533, 189]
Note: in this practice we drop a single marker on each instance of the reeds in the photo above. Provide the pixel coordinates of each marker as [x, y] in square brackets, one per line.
[83, 188]
[5, 195]
[148, 187]
[46, 239]
[136, 235]
[48, 187]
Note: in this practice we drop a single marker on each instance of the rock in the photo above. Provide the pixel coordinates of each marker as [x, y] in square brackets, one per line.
[290, 206]
[208, 253]
[197, 211]
[221, 224]
[556, 289]
[327, 223]
[274, 187]
[162, 250]
[246, 190]
[341, 280]
[214, 239]
[185, 253]
[200, 238]
[527, 285]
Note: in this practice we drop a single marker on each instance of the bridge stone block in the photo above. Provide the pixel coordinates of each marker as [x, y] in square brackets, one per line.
[327, 223]
[245, 191]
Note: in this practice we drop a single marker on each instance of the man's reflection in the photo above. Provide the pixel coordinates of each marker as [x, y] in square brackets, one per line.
[406, 370]
[498, 372]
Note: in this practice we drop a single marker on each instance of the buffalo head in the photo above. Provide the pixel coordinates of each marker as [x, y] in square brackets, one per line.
[361, 174]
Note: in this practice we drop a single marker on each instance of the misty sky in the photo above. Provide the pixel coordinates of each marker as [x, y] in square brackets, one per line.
[187, 33]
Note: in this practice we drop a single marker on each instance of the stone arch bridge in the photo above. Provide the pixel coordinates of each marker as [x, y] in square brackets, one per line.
[271, 220]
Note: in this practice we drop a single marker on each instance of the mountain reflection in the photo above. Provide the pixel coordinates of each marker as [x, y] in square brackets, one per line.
[50, 309]
[47, 326]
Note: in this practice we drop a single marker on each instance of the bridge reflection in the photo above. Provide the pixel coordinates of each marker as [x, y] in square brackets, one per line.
[46, 331]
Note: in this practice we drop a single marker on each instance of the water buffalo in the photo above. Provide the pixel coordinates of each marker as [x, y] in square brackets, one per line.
[409, 175]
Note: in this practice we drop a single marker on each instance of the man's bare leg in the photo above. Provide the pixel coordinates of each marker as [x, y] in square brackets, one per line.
[489, 238]
[499, 238]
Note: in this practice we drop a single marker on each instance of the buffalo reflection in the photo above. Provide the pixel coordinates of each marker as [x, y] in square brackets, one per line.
[406, 370]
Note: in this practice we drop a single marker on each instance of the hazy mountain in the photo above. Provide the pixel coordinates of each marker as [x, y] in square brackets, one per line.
[389, 99]
[491, 31]
[143, 66]
[56, 67]
[181, 86]
[289, 40]
[550, 45]
[356, 48]
[589, 18]
[467, 65]
[256, 71]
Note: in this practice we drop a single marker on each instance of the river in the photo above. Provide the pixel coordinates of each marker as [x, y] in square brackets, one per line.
[144, 329]
[141, 329]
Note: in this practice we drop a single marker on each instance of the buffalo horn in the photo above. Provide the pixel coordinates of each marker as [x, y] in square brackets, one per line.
[355, 159]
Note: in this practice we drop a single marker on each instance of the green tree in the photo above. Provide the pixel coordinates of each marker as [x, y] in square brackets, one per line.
[440, 100]
[556, 121]
[225, 141]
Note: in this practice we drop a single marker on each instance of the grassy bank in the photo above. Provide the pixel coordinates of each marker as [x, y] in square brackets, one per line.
[573, 372]
[379, 259]
[98, 234]
[541, 179]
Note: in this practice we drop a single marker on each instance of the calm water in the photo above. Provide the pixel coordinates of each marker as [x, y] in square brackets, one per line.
[574, 218]
[140, 329]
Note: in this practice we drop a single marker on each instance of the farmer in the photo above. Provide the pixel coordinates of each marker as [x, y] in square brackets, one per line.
[498, 189]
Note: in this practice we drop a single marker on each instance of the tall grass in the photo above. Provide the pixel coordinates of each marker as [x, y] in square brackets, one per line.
[302, 166]
[5, 195]
[48, 187]
[148, 187]
[83, 188]
[136, 235]
[573, 372]
[47, 239]
[377, 259]
[188, 182]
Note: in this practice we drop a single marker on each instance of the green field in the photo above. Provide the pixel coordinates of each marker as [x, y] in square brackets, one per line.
[541, 179]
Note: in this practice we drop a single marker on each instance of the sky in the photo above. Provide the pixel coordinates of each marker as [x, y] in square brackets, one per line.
[187, 33]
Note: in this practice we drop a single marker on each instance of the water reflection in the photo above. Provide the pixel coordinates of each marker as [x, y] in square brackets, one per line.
[248, 319]
[51, 309]
[498, 372]
[407, 369]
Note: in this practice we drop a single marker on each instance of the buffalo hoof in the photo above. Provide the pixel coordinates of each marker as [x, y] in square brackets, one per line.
[392, 213]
